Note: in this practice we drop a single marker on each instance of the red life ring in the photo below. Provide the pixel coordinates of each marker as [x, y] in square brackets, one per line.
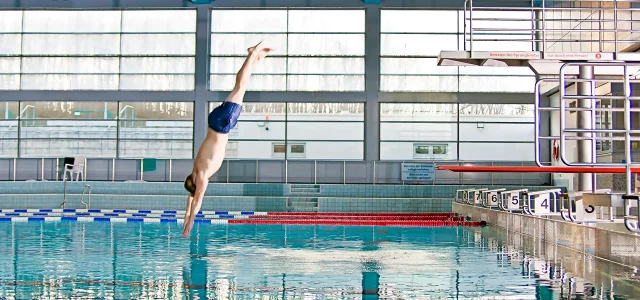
[555, 151]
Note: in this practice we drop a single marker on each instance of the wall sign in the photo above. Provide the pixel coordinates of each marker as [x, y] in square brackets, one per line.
[418, 172]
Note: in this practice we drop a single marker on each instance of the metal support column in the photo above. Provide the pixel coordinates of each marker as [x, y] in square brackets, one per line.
[585, 120]
[372, 79]
[201, 108]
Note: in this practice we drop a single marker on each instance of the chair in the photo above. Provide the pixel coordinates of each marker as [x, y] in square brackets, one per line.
[76, 167]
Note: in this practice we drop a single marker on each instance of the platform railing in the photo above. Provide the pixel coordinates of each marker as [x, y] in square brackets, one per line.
[608, 25]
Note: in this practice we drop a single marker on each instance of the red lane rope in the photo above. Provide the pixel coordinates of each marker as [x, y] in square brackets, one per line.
[516, 169]
[359, 223]
[336, 217]
[445, 214]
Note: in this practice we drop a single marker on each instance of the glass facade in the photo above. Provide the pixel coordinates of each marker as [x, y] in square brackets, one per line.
[314, 50]
[298, 131]
[97, 129]
[467, 132]
[317, 51]
[411, 41]
[149, 50]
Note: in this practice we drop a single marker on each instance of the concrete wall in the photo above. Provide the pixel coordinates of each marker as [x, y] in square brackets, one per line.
[616, 246]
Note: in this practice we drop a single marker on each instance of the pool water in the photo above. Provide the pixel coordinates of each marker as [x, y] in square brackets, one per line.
[54, 260]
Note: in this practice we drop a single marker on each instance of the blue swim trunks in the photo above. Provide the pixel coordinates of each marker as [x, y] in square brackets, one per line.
[224, 117]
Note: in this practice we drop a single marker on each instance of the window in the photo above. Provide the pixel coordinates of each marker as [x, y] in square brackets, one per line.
[430, 151]
[411, 41]
[404, 127]
[467, 132]
[150, 50]
[260, 126]
[326, 130]
[311, 130]
[279, 149]
[59, 129]
[96, 129]
[500, 132]
[315, 50]
[231, 151]
[9, 129]
[155, 129]
[295, 151]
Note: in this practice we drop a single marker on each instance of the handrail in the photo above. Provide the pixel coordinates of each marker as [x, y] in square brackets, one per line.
[547, 36]
[86, 188]
[64, 199]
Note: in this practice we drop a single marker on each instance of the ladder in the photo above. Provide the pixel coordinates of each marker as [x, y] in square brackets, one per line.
[586, 134]
[86, 190]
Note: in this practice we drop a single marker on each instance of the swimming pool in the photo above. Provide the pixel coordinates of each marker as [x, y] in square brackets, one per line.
[48, 260]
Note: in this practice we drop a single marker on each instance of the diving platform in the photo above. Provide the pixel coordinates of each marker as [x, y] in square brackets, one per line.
[542, 63]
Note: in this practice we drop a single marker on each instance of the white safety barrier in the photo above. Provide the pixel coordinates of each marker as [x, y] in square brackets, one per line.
[510, 200]
[491, 198]
[542, 203]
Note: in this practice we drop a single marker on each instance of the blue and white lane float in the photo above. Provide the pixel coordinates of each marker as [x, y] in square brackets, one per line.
[120, 215]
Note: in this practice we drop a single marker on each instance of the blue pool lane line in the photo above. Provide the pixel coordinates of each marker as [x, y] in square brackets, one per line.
[119, 215]
[108, 220]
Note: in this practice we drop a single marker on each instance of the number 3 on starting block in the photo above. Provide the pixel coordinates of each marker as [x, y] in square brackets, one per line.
[583, 213]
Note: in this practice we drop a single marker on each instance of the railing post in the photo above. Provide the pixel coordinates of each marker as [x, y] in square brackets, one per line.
[42, 169]
[64, 197]
[344, 172]
[257, 170]
[286, 171]
[228, 170]
[170, 169]
[470, 26]
[374, 172]
[113, 169]
[142, 169]
[615, 26]
[14, 168]
[315, 172]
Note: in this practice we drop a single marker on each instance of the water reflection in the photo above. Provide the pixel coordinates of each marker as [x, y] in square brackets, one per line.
[145, 261]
